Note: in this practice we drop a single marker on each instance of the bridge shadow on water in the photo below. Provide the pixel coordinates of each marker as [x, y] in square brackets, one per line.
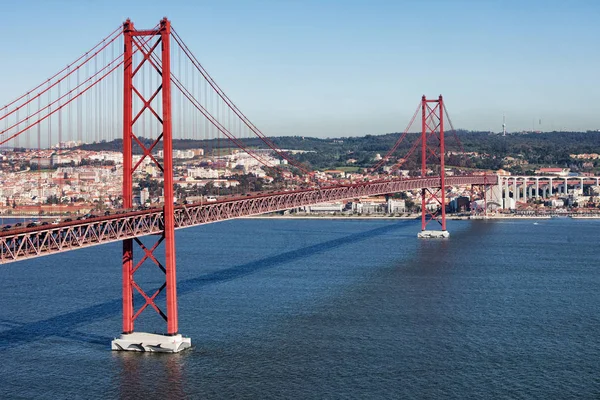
[65, 325]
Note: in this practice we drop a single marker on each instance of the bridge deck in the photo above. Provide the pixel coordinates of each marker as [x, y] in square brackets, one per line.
[25, 243]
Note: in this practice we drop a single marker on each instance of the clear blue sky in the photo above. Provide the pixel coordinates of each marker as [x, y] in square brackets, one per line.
[344, 68]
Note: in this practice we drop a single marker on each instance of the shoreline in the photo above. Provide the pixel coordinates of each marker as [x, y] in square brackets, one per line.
[263, 216]
[417, 217]
[30, 217]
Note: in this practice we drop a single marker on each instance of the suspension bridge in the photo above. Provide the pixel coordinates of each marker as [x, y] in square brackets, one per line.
[142, 89]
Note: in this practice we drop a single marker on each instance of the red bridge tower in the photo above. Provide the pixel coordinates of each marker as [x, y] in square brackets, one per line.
[433, 149]
[154, 47]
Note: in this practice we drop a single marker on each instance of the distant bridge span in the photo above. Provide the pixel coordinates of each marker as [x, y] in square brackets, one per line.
[26, 243]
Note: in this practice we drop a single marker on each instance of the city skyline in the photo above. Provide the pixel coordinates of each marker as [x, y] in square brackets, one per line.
[351, 68]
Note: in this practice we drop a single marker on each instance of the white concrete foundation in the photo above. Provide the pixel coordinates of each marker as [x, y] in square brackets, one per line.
[478, 217]
[141, 341]
[433, 234]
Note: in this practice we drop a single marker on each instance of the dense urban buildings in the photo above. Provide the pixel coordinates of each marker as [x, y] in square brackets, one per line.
[69, 180]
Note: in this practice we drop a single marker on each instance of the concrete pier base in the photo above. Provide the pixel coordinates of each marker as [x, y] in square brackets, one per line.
[433, 234]
[141, 341]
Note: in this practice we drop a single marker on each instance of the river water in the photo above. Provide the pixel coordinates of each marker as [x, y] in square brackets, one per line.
[321, 309]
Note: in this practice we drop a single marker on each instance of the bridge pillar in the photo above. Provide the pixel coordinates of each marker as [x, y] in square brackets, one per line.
[506, 193]
[550, 187]
[537, 188]
[525, 189]
[432, 144]
[153, 45]
[516, 191]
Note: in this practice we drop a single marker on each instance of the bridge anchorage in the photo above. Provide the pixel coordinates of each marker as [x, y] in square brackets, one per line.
[432, 148]
[147, 42]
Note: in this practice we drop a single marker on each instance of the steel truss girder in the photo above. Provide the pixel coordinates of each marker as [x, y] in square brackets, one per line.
[45, 240]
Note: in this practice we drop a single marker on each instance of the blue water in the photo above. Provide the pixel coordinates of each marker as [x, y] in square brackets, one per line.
[321, 309]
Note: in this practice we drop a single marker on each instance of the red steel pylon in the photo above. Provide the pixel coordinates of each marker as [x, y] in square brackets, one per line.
[147, 43]
[432, 150]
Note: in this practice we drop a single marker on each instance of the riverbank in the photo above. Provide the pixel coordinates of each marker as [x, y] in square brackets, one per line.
[329, 216]
[351, 217]
[30, 217]
[417, 217]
